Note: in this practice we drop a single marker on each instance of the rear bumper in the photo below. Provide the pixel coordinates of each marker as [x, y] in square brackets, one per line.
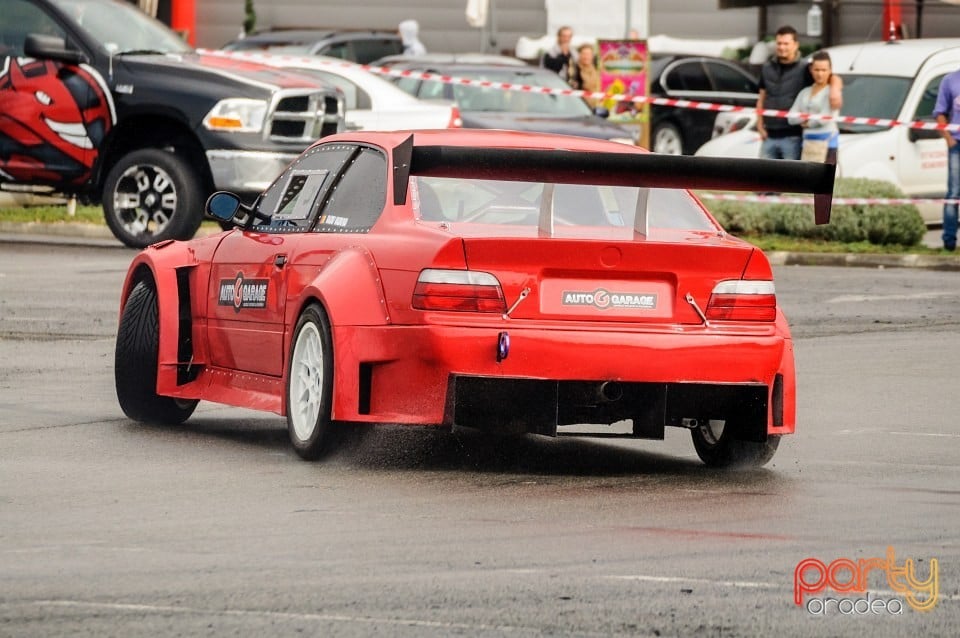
[450, 375]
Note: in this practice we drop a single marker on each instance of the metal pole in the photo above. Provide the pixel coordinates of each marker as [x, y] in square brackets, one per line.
[629, 18]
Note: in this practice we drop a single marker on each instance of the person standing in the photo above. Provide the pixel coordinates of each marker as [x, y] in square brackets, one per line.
[820, 137]
[782, 77]
[559, 58]
[586, 76]
[410, 35]
[947, 111]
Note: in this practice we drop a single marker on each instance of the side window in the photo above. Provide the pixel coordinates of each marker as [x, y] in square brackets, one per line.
[408, 85]
[340, 50]
[21, 18]
[727, 79]
[928, 100]
[366, 51]
[687, 76]
[431, 90]
[293, 199]
[358, 198]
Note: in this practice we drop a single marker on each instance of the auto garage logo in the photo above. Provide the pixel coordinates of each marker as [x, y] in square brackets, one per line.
[243, 293]
[606, 300]
[812, 578]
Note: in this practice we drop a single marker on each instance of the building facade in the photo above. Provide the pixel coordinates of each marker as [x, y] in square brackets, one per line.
[444, 26]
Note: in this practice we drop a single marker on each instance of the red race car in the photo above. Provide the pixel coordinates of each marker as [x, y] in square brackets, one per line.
[497, 280]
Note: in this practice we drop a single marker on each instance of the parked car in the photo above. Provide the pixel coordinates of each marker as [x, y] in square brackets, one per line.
[676, 130]
[101, 101]
[372, 103]
[494, 107]
[886, 80]
[356, 46]
[499, 280]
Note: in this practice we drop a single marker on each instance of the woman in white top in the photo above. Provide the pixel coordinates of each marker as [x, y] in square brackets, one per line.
[820, 138]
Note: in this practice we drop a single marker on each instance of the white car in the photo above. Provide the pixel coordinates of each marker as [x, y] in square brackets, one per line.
[372, 103]
[895, 81]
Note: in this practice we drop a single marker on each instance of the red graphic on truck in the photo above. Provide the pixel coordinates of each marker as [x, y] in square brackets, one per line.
[54, 120]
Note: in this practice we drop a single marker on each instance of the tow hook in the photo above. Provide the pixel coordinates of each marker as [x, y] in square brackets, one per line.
[693, 302]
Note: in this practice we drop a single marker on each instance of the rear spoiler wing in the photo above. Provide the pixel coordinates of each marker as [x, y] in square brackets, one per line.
[616, 169]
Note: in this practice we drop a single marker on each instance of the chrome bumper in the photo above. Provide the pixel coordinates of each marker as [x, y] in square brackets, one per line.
[246, 171]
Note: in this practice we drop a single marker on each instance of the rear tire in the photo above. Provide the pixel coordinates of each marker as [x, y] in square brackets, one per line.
[310, 387]
[151, 195]
[135, 362]
[717, 447]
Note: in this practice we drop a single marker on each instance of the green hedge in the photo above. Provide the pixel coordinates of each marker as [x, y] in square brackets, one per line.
[876, 223]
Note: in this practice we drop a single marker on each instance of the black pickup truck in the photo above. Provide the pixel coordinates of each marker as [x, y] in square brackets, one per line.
[100, 101]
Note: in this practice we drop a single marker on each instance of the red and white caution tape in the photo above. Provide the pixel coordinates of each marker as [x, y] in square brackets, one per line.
[598, 95]
[850, 201]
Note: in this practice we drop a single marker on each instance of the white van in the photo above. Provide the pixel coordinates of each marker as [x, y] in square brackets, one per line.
[888, 80]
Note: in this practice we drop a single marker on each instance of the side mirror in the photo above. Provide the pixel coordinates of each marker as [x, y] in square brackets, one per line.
[223, 206]
[915, 134]
[601, 112]
[49, 47]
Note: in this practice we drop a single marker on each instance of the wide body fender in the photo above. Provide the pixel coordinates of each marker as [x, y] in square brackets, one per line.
[349, 289]
[165, 262]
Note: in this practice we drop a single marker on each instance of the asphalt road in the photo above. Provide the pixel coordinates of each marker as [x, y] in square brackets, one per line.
[108, 528]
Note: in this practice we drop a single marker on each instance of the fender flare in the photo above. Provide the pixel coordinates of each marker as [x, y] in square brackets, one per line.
[349, 288]
[161, 262]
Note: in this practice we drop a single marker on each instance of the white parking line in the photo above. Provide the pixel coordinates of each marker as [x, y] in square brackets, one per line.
[367, 620]
[749, 584]
[900, 297]
[745, 584]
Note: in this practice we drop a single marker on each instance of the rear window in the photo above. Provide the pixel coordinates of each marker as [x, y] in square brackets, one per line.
[479, 201]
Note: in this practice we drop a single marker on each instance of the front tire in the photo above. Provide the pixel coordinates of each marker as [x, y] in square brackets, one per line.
[151, 195]
[717, 447]
[135, 362]
[667, 139]
[310, 385]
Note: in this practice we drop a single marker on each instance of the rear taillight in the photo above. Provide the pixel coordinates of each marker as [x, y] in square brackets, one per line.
[458, 291]
[742, 300]
[455, 120]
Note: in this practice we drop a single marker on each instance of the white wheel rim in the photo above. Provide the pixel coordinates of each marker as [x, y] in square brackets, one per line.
[306, 382]
[667, 143]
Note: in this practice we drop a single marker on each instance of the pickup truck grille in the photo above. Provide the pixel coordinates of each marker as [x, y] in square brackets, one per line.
[304, 117]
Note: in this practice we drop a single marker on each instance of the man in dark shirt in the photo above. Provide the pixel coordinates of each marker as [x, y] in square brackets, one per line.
[782, 77]
[559, 58]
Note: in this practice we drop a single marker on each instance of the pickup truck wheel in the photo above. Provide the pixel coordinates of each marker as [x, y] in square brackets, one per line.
[135, 362]
[717, 447]
[151, 195]
[310, 386]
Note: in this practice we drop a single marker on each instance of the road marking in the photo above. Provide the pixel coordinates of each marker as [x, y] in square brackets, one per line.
[748, 584]
[946, 435]
[940, 434]
[369, 620]
[900, 297]
[700, 581]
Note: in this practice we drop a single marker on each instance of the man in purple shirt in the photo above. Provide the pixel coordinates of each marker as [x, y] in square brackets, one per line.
[947, 111]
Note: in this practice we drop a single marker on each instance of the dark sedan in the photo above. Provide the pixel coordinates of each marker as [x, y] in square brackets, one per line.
[495, 108]
[676, 130]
